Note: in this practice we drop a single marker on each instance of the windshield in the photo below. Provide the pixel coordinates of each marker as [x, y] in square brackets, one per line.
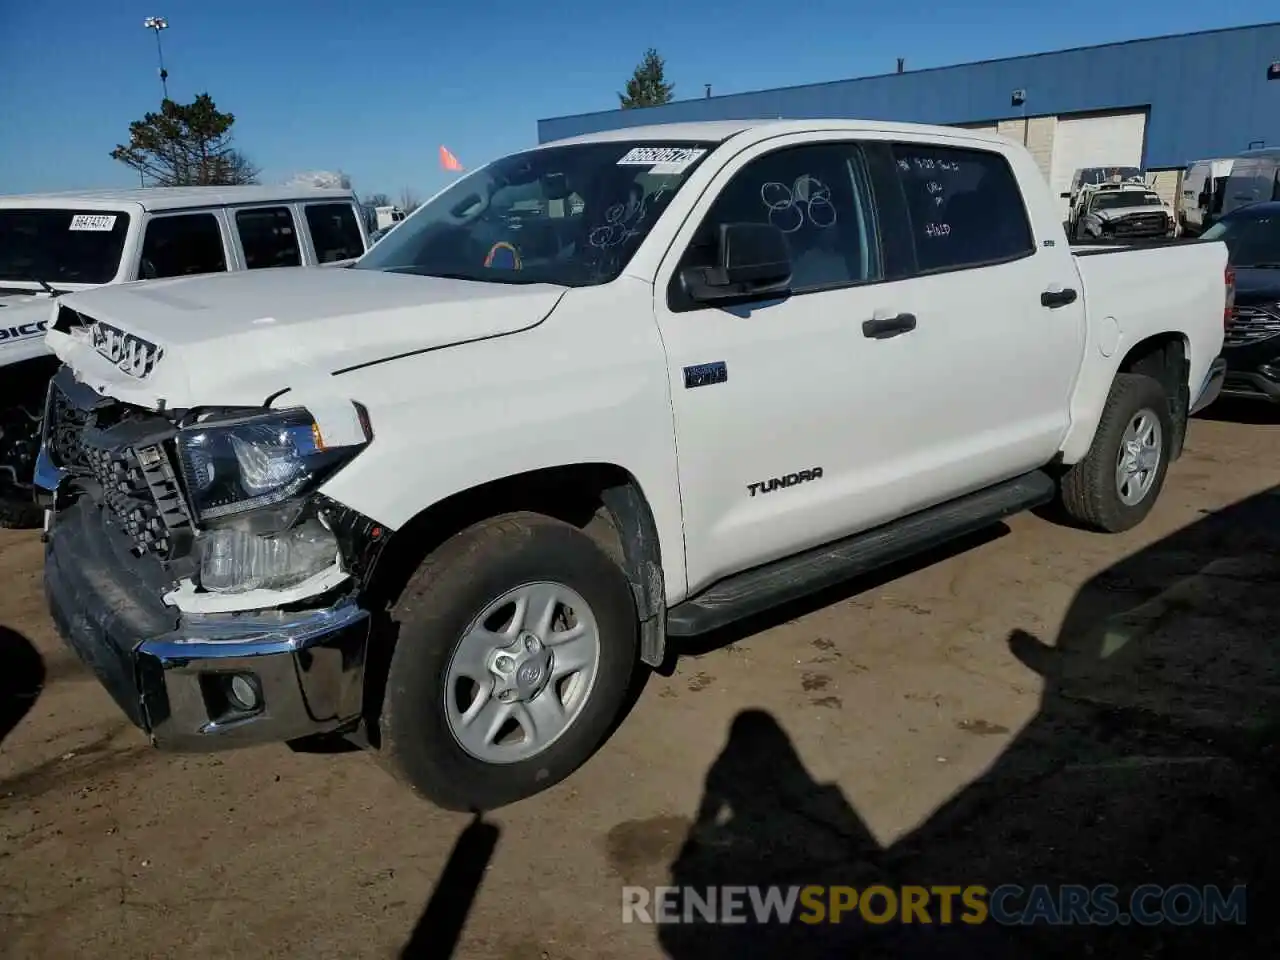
[1251, 241]
[61, 246]
[571, 215]
[1124, 198]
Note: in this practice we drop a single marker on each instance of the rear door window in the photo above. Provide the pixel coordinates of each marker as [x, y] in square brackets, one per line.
[965, 207]
[268, 237]
[182, 245]
[335, 232]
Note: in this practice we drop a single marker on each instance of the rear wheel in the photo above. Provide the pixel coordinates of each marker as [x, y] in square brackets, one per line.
[515, 649]
[1116, 484]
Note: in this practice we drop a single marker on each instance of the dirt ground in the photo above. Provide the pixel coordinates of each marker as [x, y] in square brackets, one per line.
[1040, 705]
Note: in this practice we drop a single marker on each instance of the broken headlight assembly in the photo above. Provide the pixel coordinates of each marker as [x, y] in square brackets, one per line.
[248, 478]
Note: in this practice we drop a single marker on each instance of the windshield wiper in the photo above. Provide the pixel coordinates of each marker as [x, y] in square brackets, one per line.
[48, 289]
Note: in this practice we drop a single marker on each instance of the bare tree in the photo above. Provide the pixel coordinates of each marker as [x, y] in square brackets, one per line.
[378, 200]
[409, 200]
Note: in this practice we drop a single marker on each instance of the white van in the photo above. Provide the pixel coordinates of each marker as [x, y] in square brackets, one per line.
[1255, 178]
[1203, 188]
[57, 243]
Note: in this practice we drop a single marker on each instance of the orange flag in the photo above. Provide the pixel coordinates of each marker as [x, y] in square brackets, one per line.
[448, 161]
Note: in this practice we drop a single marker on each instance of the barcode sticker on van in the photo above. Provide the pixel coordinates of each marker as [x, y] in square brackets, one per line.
[102, 223]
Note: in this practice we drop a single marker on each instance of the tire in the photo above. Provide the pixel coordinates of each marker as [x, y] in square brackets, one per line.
[439, 608]
[1091, 489]
[17, 513]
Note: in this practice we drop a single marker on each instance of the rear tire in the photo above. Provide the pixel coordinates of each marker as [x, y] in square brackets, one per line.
[449, 664]
[1116, 484]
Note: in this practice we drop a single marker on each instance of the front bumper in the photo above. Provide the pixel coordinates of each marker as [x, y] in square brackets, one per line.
[173, 675]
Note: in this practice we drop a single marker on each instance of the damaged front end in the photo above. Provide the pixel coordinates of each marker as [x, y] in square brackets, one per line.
[192, 563]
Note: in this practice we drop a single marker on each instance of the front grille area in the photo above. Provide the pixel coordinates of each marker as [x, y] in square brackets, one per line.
[1142, 225]
[1252, 324]
[118, 455]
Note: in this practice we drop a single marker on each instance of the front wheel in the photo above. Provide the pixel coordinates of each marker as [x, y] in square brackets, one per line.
[515, 647]
[1116, 484]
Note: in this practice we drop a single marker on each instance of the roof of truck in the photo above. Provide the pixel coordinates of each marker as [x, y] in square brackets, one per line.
[716, 131]
[175, 198]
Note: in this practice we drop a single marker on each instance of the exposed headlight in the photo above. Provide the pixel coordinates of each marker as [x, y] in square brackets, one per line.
[233, 559]
[234, 465]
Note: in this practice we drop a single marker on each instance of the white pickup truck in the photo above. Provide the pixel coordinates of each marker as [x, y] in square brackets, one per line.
[609, 390]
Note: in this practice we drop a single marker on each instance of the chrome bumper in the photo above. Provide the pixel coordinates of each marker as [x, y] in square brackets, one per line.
[184, 679]
[1212, 386]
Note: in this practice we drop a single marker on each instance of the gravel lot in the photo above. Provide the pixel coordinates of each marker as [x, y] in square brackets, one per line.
[1040, 705]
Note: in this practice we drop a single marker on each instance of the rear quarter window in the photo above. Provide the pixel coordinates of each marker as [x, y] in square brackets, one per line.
[965, 207]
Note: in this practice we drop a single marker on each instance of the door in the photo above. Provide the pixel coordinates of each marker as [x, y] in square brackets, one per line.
[987, 393]
[1107, 140]
[777, 403]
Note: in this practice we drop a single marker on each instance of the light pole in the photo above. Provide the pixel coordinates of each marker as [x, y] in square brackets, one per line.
[157, 24]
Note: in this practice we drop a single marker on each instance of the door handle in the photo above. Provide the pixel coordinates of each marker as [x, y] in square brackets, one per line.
[1054, 298]
[881, 328]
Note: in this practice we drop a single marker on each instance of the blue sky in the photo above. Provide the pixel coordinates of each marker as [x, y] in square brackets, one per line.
[374, 87]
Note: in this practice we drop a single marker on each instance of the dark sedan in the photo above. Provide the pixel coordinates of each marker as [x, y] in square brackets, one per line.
[1252, 343]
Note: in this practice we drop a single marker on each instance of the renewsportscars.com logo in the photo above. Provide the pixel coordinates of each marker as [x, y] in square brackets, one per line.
[1007, 905]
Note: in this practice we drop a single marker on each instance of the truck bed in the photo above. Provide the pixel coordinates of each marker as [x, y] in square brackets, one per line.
[1094, 247]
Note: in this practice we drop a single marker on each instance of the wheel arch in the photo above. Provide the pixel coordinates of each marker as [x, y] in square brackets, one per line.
[1165, 357]
[602, 499]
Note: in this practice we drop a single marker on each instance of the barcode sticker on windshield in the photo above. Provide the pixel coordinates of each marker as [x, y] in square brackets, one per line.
[88, 221]
[661, 159]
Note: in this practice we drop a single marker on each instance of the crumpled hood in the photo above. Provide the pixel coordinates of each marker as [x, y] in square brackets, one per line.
[1119, 213]
[239, 338]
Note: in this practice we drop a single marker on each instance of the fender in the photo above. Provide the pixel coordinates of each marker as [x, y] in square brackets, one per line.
[588, 386]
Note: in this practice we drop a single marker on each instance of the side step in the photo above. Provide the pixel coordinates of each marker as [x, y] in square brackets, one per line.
[762, 588]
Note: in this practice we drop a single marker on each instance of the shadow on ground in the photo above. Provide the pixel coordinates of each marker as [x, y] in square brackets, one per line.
[1151, 761]
[22, 676]
[436, 935]
[1236, 410]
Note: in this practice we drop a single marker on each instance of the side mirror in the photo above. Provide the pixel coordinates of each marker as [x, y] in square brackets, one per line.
[752, 260]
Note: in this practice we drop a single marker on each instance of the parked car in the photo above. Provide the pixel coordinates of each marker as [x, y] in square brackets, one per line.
[1203, 189]
[1122, 211]
[58, 243]
[451, 499]
[1252, 345]
[1255, 178]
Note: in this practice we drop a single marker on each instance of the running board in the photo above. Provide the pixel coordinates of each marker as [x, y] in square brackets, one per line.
[762, 588]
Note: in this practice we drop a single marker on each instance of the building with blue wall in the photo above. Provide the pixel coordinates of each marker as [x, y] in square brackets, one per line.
[1156, 103]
